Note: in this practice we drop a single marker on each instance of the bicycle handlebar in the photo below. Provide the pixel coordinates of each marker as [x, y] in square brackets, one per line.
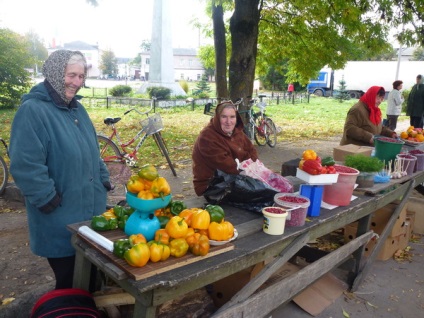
[142, 113]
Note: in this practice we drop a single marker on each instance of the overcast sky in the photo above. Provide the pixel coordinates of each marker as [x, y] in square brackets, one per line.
[120, 25]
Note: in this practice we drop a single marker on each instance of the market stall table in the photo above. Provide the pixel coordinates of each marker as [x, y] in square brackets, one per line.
[252, 247]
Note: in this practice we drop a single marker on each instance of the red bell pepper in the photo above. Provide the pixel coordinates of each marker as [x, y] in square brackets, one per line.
[312, 167]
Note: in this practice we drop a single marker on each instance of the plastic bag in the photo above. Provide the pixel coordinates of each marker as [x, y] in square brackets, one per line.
[240, 191]
[256, 169]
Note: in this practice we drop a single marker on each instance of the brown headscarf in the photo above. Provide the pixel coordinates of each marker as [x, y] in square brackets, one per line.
[369, 99]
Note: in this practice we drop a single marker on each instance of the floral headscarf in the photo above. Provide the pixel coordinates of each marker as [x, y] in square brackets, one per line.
[369, 99]
[54, 70]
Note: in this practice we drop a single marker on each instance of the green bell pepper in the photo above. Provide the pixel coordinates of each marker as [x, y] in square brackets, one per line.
[100, 223]
[216, 212]
[120, 247]
[122, 221]
[176, 207]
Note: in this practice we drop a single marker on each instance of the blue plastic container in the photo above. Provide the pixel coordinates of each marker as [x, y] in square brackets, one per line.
[314, 194]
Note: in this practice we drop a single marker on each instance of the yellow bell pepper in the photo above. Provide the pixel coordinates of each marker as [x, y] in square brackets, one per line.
[148, 172]
[200, 219]
[160, 187]
[158, 251]
[145, 195]
[221, 231]
[138, 255]
[176, 227]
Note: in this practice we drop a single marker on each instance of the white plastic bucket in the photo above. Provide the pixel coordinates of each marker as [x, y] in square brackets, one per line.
[274, 223]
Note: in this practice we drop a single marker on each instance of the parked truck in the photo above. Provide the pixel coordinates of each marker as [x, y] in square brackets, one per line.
[361, 75]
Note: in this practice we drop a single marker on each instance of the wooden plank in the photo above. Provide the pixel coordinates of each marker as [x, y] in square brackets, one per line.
[263, 302]
[150, 269]
[268, 271]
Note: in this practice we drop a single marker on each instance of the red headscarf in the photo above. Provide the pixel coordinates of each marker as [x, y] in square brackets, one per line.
[369, 99]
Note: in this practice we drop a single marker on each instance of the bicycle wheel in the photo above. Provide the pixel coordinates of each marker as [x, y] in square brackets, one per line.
[259, 132]
[4, 175]
[270, 132]
[109, 151]
[164, 150]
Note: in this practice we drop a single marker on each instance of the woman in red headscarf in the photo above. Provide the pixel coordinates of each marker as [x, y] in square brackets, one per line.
[363, 121]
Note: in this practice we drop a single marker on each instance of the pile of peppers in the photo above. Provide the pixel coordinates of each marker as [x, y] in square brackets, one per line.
[185, 230]
[112, 219]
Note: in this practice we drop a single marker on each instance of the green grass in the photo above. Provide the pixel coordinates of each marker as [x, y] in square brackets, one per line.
[321, 118]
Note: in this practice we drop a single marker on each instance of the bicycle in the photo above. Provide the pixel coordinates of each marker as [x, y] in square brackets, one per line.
[112, 152]
[4, 172]
[259, 126]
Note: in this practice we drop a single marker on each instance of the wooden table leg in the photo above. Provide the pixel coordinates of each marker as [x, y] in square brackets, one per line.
[82, 271]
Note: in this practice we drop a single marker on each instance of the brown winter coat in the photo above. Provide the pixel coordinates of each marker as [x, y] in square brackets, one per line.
[214, 149]
[359, 129]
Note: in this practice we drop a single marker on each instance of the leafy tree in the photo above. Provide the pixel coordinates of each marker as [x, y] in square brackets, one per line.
[108, 63]
[37, 51]
[15, 80]
[418, 54]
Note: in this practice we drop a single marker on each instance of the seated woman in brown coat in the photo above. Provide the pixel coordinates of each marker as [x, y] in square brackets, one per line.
[218, 145]
[363, 120]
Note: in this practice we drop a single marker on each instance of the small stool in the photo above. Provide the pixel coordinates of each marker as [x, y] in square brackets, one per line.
[314, 194]
[289, 168]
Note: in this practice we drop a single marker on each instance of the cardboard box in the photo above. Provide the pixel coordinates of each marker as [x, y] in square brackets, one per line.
[391, 245]
[317, 296]
[339, 153]
[415, 206]
[223, 290]
[382, 216]
[316, 179]
[379, 221]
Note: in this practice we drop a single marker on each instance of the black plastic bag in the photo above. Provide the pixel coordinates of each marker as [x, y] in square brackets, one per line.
[240, 191]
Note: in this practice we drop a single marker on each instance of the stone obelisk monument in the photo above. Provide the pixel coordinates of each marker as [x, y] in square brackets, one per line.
[161, 70]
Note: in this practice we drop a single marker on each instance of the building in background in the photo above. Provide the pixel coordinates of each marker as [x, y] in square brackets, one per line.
[187, 66]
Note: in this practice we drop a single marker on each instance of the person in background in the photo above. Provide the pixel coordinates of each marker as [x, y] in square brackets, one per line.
[55, 162]
[394, 105]
[290, 89]
[218, 145]
[363, 120]
[415, 107]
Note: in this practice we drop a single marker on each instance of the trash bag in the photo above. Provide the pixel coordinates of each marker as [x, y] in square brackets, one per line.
[240, 191]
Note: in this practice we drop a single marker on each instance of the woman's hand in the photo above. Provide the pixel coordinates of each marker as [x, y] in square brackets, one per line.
[394, 135]
[372, 140]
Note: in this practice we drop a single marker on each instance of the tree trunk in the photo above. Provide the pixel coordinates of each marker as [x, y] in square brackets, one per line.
[220, 52]
[244, 25]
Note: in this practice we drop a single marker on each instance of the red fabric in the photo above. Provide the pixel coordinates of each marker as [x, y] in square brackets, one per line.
[369, 99]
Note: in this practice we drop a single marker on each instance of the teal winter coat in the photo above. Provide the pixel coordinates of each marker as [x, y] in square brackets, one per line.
[54, 150]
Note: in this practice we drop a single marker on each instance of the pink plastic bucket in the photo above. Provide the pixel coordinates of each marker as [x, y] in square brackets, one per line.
[340, 193]
[298, 205]
[408, 162]
[419, 154]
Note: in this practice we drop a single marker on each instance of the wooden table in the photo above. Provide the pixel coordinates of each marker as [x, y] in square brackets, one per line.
[251, 247]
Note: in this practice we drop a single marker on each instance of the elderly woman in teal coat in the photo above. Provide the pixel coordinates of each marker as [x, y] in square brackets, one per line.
[55, 162]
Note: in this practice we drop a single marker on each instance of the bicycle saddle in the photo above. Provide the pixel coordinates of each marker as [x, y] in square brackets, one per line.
[109, 120]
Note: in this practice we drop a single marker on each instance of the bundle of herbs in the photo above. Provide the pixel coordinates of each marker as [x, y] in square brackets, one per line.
[364, 163]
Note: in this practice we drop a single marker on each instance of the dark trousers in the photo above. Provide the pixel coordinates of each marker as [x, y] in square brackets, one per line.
[416, 121]
[392, 121]
[63, 268]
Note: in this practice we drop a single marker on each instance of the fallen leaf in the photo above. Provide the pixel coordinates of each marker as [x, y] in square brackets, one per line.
[345, 314]
[7, 301]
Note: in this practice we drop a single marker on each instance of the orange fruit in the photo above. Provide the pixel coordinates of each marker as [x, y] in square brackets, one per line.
[419, 137]
[404, 135]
